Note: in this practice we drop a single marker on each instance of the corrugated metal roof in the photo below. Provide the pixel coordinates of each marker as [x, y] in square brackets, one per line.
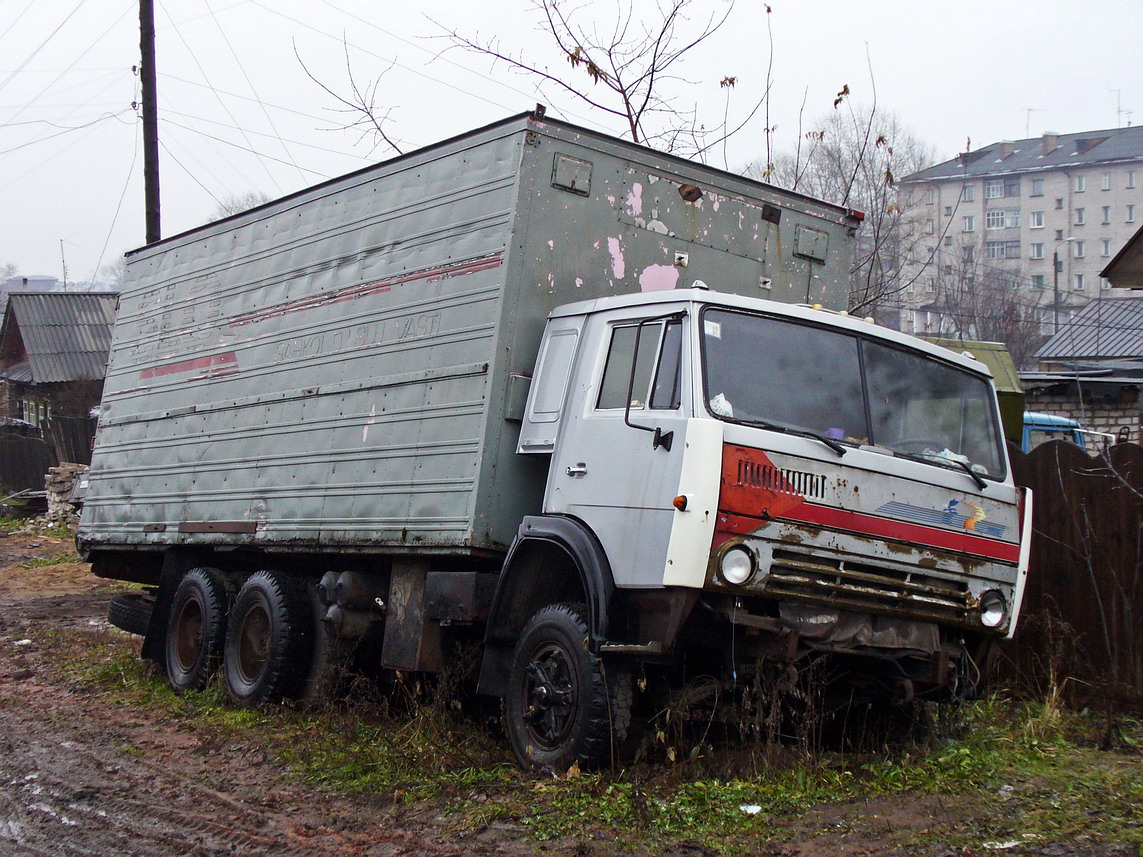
[1104, 329]
[20, 373]
[1027, 156]
[67, 335]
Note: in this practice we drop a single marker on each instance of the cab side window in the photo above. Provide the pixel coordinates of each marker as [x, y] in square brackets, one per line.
[657, 367]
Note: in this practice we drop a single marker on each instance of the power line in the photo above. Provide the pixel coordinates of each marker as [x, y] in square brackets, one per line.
[254, 91]
[243, 148]
[223, 105]
[67, 130]
[192, 176]
[42, 44]
[72, 64]
[189, 116]
[119, 205]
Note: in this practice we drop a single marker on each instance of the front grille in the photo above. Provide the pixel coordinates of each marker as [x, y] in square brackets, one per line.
[797, 483]
[866, 588]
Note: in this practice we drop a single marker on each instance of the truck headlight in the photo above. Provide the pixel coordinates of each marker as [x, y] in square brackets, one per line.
[993, 609]
[736, 565]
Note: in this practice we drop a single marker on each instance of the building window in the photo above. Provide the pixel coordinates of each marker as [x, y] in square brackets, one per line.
[1080, 215]
[948, 211]
[1131, 178]
[1104, 283]
[1037, 251]
[1002, 218]
[1037, 187]
[969, 223]
[993, 188]
[1059, 203]
[1105, 247]
[1131, 214]
[1107, 214]
[1059, 235]
[1037, 281]
[1105, 182]
[968, 192]
[948, 240]
[967, 253]
[1077, 282]
[1036, 220]
[929, 226]
[1002, 249]
[930, 196]
[1080, 184]
[1080, 249]
[1012, 187]
[928, 284]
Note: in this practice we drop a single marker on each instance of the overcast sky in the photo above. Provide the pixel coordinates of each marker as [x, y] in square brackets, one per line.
[238, 112]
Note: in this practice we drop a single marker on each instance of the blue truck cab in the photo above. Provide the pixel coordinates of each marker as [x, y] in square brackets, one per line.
[1040, 428]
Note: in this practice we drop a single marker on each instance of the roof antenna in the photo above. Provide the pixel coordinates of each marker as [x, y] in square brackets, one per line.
[540, 111]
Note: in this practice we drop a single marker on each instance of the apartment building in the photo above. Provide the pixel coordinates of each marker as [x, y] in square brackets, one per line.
[984, 229]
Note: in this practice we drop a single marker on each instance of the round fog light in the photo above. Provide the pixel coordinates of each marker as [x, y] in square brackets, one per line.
[993, 609]
[737, 565]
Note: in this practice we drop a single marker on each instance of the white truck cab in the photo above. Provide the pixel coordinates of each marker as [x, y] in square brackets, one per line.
[776, 481]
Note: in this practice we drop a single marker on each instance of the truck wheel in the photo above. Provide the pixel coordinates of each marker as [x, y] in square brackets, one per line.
[562, 705]
[196, 630]
[266, 657]
[131, 612]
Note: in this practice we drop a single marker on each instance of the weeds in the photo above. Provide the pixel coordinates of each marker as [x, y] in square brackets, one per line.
[46, 561]
[1003, 770]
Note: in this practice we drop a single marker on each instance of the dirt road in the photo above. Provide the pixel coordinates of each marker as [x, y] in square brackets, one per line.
[80, 775]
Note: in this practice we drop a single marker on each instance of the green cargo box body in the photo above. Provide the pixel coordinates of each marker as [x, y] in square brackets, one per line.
[341, 369]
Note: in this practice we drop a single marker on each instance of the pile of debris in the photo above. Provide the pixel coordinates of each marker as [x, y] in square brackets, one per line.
[59, 485]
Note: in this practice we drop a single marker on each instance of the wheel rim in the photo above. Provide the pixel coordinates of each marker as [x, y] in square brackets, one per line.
[188, 634]
[254, 643]
[549, 696]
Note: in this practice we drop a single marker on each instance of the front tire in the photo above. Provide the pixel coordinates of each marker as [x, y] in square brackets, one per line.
[563, 706]
[267, 652]
[196, 630]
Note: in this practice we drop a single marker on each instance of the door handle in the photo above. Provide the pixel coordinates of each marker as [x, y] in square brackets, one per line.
[577, 469]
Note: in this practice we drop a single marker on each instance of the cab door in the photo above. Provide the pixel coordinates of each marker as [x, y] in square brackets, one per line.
[618, 458]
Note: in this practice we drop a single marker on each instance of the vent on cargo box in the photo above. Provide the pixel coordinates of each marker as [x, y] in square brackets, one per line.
[571, 174]
[810, 243]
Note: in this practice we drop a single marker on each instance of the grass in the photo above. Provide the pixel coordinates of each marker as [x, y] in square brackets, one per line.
[1000, 771]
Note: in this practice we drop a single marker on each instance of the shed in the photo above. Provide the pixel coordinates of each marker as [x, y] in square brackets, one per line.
[53, 358]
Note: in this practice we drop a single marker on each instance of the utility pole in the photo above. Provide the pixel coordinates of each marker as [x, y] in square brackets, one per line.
[150, 118]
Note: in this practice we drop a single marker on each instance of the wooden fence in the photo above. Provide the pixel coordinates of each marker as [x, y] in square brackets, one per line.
[1082, 623]
[24, 461]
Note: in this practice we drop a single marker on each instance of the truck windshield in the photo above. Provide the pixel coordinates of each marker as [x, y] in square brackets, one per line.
[794, 377]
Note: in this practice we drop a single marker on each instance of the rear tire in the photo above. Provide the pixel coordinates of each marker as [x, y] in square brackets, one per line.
[196, 630]
[131, 612]
[268, 642]
[563, 706]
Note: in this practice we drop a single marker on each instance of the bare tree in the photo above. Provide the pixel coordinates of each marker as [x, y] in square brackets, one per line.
[624, 64]
[115, 274]
[360, 108]
[976, 298]
[853, 157]
[237, 203]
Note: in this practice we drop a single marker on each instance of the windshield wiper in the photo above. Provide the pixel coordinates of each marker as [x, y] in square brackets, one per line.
[828, 441]
[976, 477]
[942, 460]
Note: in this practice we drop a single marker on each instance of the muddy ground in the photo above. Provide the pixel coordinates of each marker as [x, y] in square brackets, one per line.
[83, 775]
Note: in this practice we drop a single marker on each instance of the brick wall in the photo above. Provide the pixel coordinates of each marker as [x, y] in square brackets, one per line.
[1104, 411]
